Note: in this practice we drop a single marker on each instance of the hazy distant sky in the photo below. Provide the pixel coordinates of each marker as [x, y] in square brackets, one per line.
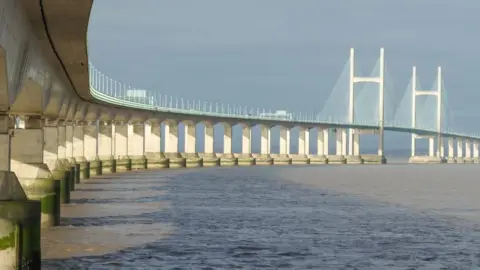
[285, 53]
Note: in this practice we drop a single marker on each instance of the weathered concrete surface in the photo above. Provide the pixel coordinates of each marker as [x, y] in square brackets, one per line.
[61, 27]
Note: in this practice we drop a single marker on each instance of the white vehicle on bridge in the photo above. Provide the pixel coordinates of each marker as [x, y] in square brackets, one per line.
[280, 115]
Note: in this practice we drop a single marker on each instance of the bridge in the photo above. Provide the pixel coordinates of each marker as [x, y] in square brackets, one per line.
[62, 120]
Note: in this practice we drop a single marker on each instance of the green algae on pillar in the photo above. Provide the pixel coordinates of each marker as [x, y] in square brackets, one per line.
[124, 164]
[19, 226]
[156, 160]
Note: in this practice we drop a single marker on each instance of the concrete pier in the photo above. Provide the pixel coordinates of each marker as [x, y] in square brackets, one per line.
[136, 146]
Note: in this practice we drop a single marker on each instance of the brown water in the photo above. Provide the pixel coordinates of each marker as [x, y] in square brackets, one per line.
[323, 217]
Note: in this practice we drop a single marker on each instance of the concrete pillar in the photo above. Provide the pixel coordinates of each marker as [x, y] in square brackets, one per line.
[17, 213]
[475, 149]
[288, 141]
[152, 137]
[459, 148]
[431, 147]
[27, 152]
[69, 184]
[339, 144]
[320, 142]
[90, 144]
[227, 139]
[325, 144]
[246, 140]
[105, 151]
[136, 145]
[265, 140]
[283, 140]
[307, 142]
[413, 146]
[344, 142]
[79, 151]
[190, 138]
[71, 155]
[302, 138]
[171, 137]
[123, 161]
[468, 149]
[155, 158]
[356, 144]
[209, 131]
[442, 148]
[450, 148]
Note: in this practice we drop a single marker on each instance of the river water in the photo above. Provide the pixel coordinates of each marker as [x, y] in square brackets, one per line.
[295, 217]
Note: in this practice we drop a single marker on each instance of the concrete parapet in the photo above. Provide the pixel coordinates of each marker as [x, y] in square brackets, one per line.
[281, 159]
[156, 160]
[176, 160]
[138, 162]
[192, 160]
[210, 159]
[374, 159]
[227, 159]
[451, 160]
[19, 226]
[245, 160]
[300, 159]
[426, 160]
[322, 159]
[337, 159]
[109, 164]
[124, 164]
[95, 167]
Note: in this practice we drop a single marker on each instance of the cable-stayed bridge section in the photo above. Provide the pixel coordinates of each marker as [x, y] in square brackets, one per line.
[62, 120]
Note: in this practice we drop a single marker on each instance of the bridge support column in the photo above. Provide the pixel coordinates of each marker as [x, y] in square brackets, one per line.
[326, 142]
[28, 147]
[192, 158]
[136, 146]
[431, 146]
[246, 157]
[210, 159]
[320, 157]
[451, 154]
[123, 161]
[475, 152]
[90, 144]
[338, 158]
[354, 149]
[303, 146]
[171, 145]
[105, 151]
[227, 158]
[67, 183]
[264, 158]
[79, 151]
[282, 158]
[71, 155]
[155, 158]
[468, 151]
[460, 158]
[16, 212]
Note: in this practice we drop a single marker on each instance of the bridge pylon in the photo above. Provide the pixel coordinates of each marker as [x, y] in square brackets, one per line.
[381, 101]
[438, 94]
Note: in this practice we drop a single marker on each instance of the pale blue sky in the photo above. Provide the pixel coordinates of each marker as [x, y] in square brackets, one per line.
[285, 53]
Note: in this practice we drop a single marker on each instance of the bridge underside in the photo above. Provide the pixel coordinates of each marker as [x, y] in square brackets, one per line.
[61, 28]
